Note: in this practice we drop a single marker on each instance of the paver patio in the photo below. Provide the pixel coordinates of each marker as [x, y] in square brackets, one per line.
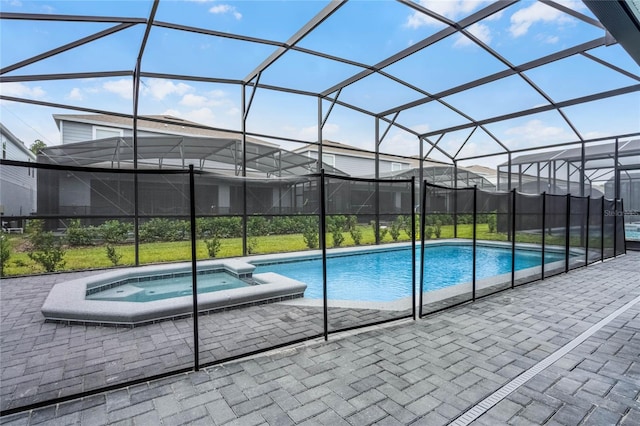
[425, 372]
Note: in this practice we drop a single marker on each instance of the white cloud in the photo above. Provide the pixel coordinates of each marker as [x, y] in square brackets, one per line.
[534, 132]
[202, 115]
[480, 31]
[122, 87]
[524, 18]
[452, 9]
[22, 91]
[160, 88]
[225, 8]
[548, 39]
[311, 132]
[16, 3]
[194, 101]
[75, 94]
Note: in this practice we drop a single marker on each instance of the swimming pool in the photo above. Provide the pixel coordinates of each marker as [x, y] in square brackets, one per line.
[385, 275]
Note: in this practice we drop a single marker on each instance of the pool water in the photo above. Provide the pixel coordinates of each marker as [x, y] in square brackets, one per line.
[386, 275]
[167, 287]
[632, 235]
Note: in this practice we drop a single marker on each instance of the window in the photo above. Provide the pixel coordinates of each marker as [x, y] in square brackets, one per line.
[329, 159]
[105, 132]
[396, 167]
[4, 150]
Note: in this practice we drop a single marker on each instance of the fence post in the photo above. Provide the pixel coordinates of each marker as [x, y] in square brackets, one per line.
[586, 245]
[323, 245]
[624, 231]
[413, 247]
[615, 226]
[544, 229]
[567, 234]
[194, 269]
[475, 221]
[423, 211]
[513, 238]
[602, 229]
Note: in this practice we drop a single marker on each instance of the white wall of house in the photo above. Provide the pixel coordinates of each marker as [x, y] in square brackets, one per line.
[355, 165]
[17, 184]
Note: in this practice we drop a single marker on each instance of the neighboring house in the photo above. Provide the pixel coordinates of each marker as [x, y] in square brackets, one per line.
[107, 141]
[356, 161]
[17, 184]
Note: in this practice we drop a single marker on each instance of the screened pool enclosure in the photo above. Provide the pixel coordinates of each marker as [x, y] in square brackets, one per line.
[461, 148]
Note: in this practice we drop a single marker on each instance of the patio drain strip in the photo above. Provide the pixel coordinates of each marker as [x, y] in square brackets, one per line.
[486, 404]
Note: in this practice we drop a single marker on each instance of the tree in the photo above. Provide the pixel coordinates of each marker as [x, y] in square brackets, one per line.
[36, 146]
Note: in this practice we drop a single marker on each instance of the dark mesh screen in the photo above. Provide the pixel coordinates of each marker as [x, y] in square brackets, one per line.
[528, 232]
[555, 234]
[578, 232]
[493, 252]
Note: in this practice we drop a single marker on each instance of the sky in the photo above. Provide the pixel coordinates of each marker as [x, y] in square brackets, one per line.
[363, 32]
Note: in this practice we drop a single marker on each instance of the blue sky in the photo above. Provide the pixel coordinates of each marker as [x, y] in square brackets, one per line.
[364, 32]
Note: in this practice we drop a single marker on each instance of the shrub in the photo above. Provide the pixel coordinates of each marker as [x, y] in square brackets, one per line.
[113, 254]
[437, 229]
[161, 229]
[356, 233]
[223, 227]
[114, 231]
[310, 231]
[395, 228]
[5, 253]
[213, 245]
[382, 231]
[428, 231]
[492, 221]
[46, 250]
[257, 226]
[78, 235]
[335, 225]
[252, 244]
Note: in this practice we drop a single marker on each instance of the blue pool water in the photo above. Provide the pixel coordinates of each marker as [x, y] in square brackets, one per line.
[167, 287]
[386, 275]
[632, 235]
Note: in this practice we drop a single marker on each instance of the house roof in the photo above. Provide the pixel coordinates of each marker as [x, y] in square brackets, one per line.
[164, 124]
[16, 142]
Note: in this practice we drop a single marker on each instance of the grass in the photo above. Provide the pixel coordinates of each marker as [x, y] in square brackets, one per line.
[95, 257]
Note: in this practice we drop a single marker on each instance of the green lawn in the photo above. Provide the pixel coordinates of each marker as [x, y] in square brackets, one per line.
[95, 257]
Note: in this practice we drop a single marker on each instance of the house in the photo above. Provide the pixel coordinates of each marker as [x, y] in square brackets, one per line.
[354, 161]
[17, 184]
[166, 142]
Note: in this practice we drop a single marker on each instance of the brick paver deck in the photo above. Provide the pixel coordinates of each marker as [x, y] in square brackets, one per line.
[425, 372]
